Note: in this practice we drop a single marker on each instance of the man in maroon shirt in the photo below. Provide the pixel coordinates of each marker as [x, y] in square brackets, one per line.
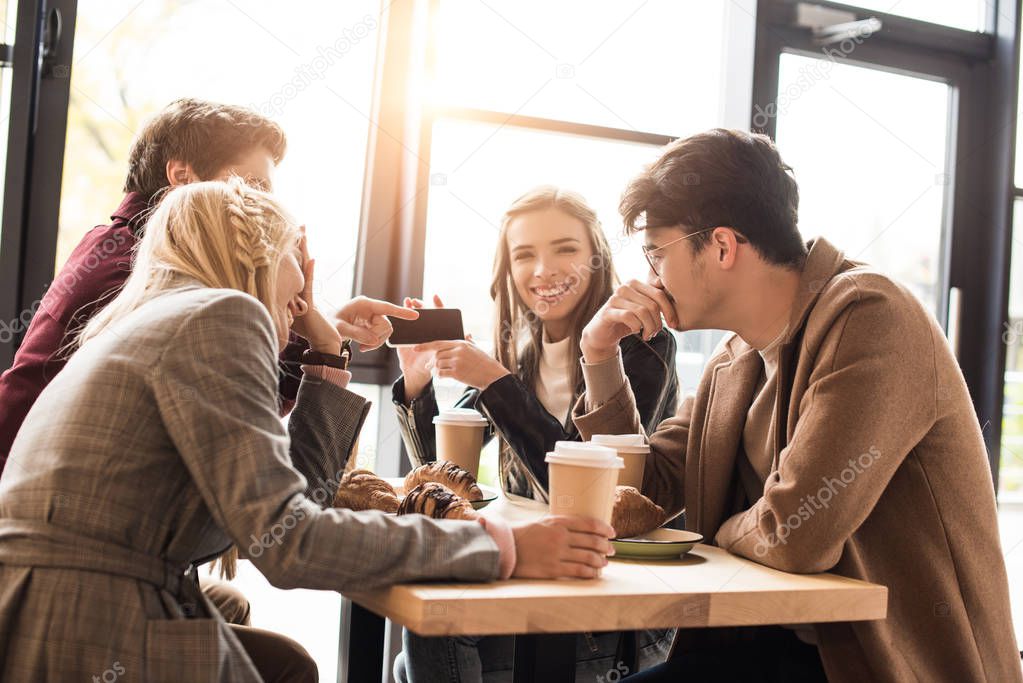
[190, 140]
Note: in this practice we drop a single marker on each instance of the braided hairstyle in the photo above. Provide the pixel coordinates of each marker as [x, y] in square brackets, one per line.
[225, 234]
[247, 216]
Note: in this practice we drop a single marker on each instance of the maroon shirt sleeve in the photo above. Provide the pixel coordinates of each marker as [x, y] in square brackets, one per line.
[93, 274]
[98, 266]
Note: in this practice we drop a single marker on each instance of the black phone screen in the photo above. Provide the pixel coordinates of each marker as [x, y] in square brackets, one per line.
[433, 324]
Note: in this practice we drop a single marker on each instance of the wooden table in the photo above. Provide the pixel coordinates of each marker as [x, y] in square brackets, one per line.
[708, 587]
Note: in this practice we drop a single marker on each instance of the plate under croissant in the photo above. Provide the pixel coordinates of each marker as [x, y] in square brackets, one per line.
[659, 544]
[489, 496]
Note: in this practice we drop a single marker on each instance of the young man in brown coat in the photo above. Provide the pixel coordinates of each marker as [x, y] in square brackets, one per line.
[832, 431]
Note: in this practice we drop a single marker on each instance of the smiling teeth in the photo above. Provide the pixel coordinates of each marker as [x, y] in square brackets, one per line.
[551, 291]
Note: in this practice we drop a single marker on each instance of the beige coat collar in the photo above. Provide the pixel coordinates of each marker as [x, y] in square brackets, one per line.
[733, 383]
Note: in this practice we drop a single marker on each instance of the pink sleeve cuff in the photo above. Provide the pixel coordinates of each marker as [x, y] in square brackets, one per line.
[502, 535]
[325, 373]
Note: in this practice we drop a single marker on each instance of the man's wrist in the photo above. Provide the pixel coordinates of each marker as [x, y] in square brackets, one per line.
[594, 355]
[603, 380]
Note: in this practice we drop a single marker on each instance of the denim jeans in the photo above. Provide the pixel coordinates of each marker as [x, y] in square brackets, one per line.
[467, 659]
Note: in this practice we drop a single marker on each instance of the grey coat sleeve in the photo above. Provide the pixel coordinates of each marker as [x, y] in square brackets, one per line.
[323, 428]
[215, 386]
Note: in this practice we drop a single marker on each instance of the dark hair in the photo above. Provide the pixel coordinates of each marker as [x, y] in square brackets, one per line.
[206, 135]
[513, 316]
[724, 178]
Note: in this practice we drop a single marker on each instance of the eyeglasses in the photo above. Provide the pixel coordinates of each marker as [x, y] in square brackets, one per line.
[655, 259]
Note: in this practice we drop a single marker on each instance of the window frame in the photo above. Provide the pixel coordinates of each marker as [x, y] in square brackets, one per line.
[40, 91]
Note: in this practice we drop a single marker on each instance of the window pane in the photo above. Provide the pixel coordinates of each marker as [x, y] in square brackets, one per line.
[965, 14]
[314, 78]
[869, 152]
[366, 455]
[1010, 474]
[654, 66]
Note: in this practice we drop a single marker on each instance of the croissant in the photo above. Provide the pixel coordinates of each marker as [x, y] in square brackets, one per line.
[634, 514]
[363, 490]
[437, 501]
[447, 473]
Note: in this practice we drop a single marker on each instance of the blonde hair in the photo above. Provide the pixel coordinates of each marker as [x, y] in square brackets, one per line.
[225, 234]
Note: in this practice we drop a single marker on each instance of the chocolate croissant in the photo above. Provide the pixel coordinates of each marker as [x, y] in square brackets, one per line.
[634, 514]
[447, 473]
[363, 490]
[437, 501]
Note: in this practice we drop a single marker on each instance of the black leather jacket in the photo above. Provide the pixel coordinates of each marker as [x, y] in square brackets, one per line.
[527, 431]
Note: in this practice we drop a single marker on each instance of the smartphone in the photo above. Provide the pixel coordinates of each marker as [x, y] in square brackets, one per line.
[433, 324]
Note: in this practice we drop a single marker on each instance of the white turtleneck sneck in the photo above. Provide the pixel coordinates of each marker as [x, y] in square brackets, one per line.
[553, 387]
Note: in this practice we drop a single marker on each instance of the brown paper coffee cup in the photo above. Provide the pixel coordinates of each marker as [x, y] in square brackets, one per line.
[582, 480]
[632, 449]
[460, 437]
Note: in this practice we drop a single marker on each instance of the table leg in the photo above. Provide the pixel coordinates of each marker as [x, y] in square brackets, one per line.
[547, 657]
[362, 645]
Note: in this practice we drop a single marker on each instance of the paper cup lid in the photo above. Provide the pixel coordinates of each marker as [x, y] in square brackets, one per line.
[623, 443]
[460, 416]
[584, 455]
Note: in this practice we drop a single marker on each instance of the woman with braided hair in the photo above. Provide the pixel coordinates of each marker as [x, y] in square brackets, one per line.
[160, 445]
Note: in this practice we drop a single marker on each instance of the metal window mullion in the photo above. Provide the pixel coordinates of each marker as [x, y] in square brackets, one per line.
[24, 83]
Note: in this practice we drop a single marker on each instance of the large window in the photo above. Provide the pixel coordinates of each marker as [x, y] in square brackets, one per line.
[313, 77]
[1010, 474]
[1010, 477]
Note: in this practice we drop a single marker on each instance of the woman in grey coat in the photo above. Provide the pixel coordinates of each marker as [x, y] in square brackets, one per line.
[159, 446]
